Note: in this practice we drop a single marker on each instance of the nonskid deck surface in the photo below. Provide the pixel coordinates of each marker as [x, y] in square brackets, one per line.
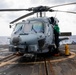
[52, 65]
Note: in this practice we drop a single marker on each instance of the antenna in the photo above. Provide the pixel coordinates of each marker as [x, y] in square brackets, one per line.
[55, 13]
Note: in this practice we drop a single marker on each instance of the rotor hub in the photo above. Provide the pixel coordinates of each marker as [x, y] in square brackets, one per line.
[40, 9]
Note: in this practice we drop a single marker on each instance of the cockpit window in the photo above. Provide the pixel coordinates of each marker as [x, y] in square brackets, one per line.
[34, 26]
[38, 26]
[18, 27]
[27, 27]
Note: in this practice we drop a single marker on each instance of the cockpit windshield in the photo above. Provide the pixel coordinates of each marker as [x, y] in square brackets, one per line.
[33, 26]
[37, 26]
[18, 27]
[27, 28]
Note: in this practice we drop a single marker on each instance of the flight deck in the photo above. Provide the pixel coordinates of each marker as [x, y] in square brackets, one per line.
[42, 65]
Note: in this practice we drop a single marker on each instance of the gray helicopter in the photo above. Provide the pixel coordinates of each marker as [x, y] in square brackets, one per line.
[34, 35]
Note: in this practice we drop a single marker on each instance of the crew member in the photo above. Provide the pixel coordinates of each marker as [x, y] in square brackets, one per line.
[56, 32]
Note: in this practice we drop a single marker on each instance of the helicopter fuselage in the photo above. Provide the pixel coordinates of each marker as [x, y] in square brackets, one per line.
[32, 36]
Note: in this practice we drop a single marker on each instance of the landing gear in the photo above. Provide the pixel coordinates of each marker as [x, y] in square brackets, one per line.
[53, 50]
[18, 54]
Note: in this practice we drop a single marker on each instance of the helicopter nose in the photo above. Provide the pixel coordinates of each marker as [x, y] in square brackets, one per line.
[15, 40]
[29, 39]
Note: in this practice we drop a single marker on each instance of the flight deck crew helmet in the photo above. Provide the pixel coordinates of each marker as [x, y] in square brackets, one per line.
[52, 20]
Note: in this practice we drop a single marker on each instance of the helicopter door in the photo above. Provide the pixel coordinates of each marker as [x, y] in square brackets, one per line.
[49, 34]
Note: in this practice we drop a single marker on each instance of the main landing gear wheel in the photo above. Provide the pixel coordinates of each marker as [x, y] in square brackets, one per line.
[52, 49]
[19, 54]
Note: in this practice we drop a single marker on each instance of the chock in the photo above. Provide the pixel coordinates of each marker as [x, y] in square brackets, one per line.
[67, 50]
[57, 54]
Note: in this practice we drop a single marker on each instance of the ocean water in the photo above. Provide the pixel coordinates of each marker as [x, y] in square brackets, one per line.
[4, 40]
[71, 40]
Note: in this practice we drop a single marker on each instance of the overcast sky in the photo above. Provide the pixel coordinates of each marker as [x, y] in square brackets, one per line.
[67, 21]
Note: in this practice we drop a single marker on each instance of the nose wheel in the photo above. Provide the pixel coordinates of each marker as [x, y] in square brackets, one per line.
[19, 54]
[52, 49]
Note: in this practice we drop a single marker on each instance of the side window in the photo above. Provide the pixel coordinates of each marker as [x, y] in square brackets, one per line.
[18, 28]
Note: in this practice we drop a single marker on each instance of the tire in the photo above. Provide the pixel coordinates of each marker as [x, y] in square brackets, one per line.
[51, 49]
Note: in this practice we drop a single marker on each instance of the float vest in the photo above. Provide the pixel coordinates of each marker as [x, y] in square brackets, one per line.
[56, 29]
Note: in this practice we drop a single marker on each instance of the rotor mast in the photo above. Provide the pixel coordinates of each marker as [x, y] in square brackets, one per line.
[40, 14]
[40, 10]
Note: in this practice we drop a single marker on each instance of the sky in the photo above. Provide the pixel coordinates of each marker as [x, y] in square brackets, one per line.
[67, 21]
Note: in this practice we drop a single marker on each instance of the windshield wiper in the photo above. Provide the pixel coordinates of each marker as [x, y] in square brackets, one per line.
[34, 29]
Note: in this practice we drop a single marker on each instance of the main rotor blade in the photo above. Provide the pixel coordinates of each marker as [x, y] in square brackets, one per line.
[13, 10]
[22, 17]
[63, 4]
[65, 11]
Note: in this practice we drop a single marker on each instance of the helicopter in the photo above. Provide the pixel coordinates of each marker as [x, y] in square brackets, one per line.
[34, 35]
